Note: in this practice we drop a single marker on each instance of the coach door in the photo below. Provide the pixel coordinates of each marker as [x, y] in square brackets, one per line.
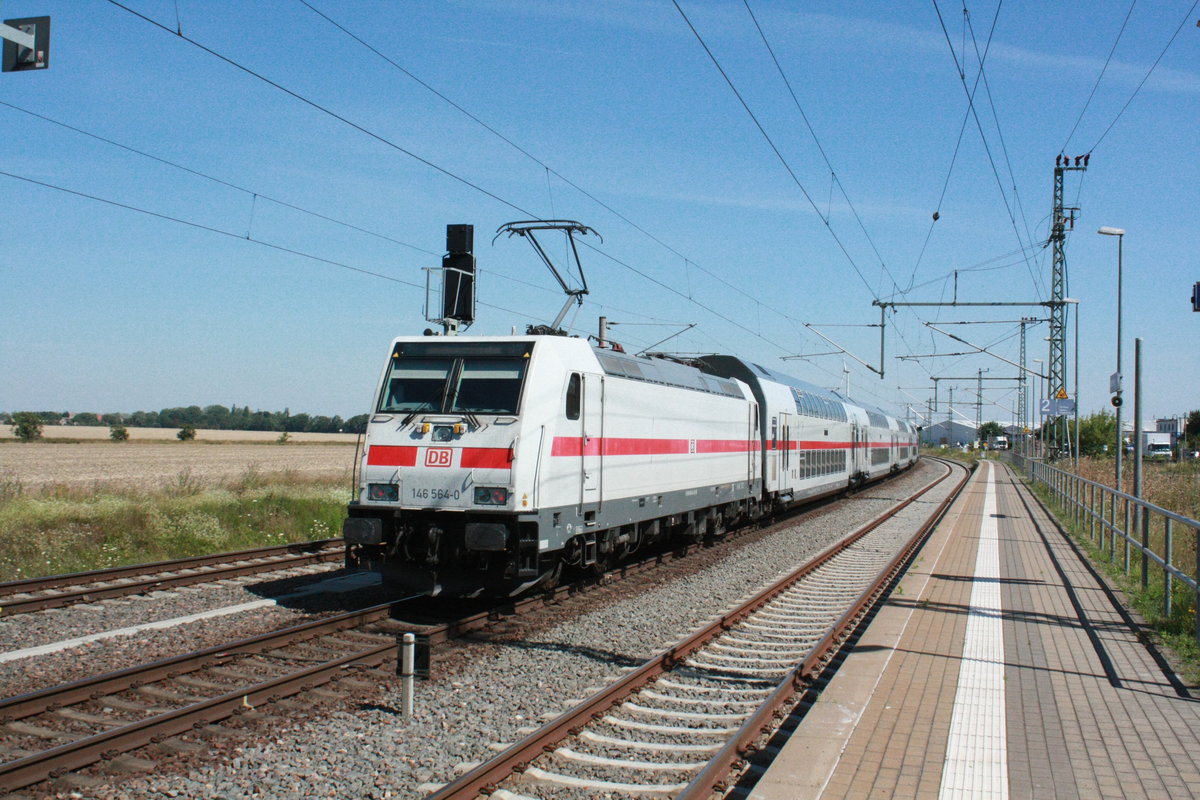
[856, 454]
[785, 449]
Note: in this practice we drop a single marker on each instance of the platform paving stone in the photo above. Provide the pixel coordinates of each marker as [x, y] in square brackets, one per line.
[1089, 711]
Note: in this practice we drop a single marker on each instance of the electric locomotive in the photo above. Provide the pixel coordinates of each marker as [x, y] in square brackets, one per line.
[492, 464]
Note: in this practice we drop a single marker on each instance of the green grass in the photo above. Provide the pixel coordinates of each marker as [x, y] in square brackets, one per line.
[61, 529]
[1174, 632]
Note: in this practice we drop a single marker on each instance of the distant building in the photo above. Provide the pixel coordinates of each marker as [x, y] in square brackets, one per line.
[1174, 426]
[950, 434]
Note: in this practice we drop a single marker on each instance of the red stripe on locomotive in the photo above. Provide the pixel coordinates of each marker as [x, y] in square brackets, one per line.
[387, 455]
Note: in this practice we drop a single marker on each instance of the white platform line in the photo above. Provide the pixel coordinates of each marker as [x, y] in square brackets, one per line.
[344, 583]
[976, 751]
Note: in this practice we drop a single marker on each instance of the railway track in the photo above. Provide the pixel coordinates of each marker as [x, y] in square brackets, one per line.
[48, 733]
[58, 591]
[684, 723]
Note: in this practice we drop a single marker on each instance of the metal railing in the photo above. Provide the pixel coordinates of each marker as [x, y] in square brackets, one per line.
[1120, 525]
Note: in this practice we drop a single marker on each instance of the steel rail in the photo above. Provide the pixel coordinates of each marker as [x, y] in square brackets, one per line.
[81, 753]
[283, 557]
[55, 761]
[714, 776]
[38, 702]
[487, 776]
[49, 763]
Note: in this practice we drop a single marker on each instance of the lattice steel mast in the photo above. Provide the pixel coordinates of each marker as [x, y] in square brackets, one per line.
[1063, 219]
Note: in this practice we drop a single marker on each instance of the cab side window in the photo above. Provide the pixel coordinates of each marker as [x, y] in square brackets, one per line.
[573, 396]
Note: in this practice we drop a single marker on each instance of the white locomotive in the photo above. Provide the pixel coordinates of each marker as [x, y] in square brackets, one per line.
[493, 463]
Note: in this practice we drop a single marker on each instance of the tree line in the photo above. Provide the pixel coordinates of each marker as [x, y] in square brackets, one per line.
[1098, 433]
[215, 417]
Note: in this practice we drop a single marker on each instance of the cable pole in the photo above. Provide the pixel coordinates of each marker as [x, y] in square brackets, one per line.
[1022, 406]
[950, 417]
[979, 403]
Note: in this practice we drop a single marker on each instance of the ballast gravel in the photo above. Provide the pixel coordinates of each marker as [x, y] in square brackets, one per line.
[495, 690]
[51, 626]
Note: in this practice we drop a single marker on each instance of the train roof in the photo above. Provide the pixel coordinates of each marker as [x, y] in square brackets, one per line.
[752, 368]
[654, 369]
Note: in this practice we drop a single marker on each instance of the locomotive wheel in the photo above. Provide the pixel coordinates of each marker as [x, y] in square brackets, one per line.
[606, 554]
[601, 565]
[550, 581]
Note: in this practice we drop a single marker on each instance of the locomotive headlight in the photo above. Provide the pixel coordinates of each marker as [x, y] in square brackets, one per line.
[490, 496]
[383, 492]
[443, 433]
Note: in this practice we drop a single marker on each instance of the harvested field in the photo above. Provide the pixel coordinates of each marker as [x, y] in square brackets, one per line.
[90, 433]
[150, 465]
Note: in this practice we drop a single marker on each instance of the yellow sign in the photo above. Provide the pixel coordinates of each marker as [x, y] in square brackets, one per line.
[1062, 394]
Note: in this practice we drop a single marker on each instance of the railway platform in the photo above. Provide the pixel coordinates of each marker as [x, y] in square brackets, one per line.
[1001, 667]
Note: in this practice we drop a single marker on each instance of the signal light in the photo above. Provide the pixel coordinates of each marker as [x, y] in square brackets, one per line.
[491, 496]
[383, 492]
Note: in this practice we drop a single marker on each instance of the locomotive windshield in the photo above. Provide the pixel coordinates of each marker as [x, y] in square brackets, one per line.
[481, 380]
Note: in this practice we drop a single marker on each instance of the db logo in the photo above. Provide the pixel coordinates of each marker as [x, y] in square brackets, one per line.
[438, 457]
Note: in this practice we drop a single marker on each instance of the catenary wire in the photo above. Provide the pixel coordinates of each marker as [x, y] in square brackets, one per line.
[983, 137]
[796, 100]
[1099, 77]
[259, 195]
[775, 149]
[549, 170]
[1149, 72]
[425, 161]
[987, 88]
[330, 112]
[462, 179]
[957, 146]
[214, 179]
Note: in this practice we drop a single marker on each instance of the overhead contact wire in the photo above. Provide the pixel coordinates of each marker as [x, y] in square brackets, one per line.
[774, 149]
[1099, 77]
[213, 178]
[239, 237]
[1149, 72]
[549, 169]
[313, 104]
[399, 148]
[817, 141]
[983, 137]
[438, 168]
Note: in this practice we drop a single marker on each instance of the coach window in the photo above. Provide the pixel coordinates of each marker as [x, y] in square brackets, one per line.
[573, 393]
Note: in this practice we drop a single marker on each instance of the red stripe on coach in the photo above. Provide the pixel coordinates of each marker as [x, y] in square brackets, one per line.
[617, 446]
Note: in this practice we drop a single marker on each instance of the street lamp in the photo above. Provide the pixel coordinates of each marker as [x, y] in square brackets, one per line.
[1115, 385]
[1075, 302]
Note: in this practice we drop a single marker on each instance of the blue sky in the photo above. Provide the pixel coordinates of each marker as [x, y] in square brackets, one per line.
[111, 309]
